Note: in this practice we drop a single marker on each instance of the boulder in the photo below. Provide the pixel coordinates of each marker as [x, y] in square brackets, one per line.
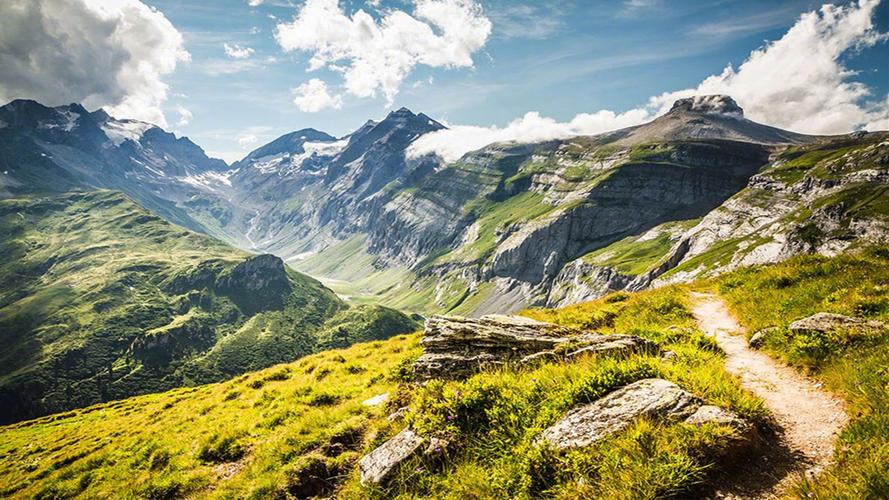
[455, 347]
[826, 322]
[378, 466]
[654, 398]
[758, 339]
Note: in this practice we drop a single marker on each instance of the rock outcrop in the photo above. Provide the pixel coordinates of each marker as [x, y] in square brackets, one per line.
[826, 322]
[456, 347]
[656, 399]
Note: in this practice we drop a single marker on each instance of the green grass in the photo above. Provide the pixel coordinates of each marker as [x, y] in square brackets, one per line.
[854, 366]
[635, 257]
[238, 439]
[101, 300]
[268, 433]
[493, 418]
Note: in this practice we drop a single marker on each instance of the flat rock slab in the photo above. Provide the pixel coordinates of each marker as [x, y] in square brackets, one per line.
[616, 344]
[654, 398]
[455, 347]
[378, 466]
[827, 322]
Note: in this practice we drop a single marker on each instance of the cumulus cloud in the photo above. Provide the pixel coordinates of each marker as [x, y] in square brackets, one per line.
[185, 116]
[798, 83]
[254, 3]
[313, 96]
[376, 56]
[235, 51]
[455, 141]
[102, 54]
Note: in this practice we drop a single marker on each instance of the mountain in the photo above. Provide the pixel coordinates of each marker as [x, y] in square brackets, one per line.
[52, 150]
[101, 300]
[512, 225]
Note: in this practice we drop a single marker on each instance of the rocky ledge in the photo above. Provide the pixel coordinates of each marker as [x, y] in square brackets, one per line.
[456, 347]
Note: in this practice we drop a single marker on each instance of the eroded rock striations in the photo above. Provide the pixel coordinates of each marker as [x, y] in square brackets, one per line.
[656, 399]
[455, 347]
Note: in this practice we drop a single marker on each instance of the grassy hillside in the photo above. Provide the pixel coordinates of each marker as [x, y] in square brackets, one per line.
[100, 300]
[854, 366]
[298, 429]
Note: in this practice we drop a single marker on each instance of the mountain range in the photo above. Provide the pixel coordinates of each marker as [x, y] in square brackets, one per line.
[698, 190]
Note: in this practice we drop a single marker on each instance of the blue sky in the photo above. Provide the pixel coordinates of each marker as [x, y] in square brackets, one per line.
[558, 58]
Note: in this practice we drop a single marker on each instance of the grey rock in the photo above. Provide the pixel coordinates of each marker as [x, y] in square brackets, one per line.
[616, 345]
[714, 414]
[378, 466]
[826, 322]
[457, 347]
[653, 398]
[758, 339]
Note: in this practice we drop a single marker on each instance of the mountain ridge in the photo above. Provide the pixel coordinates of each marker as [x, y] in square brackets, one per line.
[504, 227]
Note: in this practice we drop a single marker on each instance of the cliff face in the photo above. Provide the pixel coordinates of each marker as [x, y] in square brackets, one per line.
[824, 198]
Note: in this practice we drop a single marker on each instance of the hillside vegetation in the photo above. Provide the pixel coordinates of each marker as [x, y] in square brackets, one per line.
[298, 429]
[100, 300]
[853, 365]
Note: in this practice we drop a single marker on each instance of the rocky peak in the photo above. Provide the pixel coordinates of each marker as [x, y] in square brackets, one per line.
[708, 104]
[259, 283]
[289, 143]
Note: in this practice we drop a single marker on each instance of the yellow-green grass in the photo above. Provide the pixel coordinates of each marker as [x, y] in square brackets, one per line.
[257, 435]
[855, 366]
[234, 439]
[493, 419]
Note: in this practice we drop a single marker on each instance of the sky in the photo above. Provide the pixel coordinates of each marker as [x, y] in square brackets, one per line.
[234, 74]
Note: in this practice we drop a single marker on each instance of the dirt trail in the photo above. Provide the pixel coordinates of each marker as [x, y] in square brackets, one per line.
[809, 418]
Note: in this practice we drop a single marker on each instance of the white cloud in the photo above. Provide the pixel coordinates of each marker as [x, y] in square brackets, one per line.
[455, 141]
[246, 140]
[313, 96]
[102, 54]
[536, 22]
[185, 116]
[797, 83]
[376, 56]
[254, 3]
[235, 51]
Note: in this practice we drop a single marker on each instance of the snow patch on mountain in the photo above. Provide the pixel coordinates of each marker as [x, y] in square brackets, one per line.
[292, 162]
[119, 131]
[210, 180]
[67, 121]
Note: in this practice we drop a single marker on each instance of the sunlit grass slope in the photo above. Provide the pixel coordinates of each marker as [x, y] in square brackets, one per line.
[101, 300]
[299, 429]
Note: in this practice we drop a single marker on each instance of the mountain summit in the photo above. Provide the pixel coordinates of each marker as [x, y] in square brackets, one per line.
[708, 104]
[704, 117]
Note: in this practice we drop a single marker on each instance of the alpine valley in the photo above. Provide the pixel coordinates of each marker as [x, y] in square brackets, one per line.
[175, 326]
[698, 191]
